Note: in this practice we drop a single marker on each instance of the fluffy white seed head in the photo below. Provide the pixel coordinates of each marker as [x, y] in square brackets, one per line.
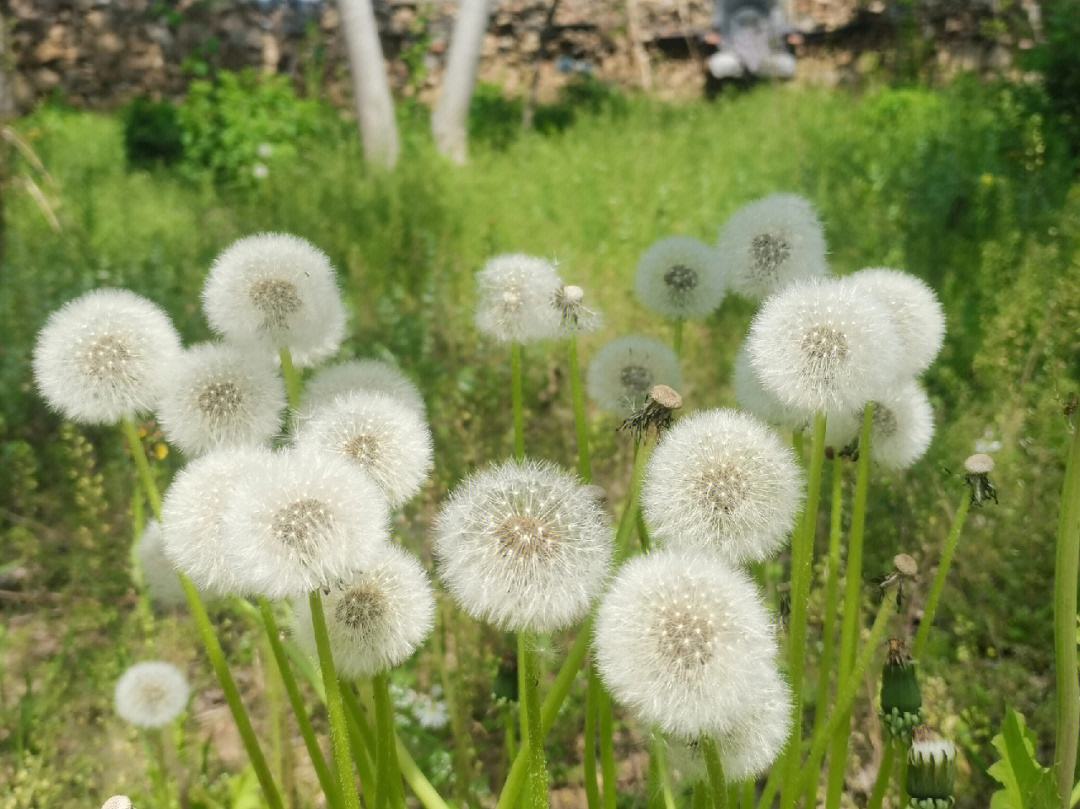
[377, 619]
[915, 311]
[621, 374]
[305, 521]
[682, 640]
[575, 316]
[349, 376]
[192, 531]
[523, 545]
[723, 481]
[151, 694]
[903, 427]
[680, 278]
[819, 346]
[516, 299]
[219, 394]
[104, 356]
[156, 572]
[770, 243]
[377, 434]
[117, 802]
[752, 396]
[277, 291]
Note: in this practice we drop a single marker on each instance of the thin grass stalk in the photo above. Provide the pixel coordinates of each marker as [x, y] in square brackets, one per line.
[884, 774]
[386, 778]
[581, 425]
[592, 714]
[1065, 655]
[517, 400]
[715, 771]
[534, 732]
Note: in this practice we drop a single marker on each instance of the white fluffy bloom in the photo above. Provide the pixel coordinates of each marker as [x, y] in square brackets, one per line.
[752, 396]
[373, 431]
[914, 309]
[622, 373]
[305, 521]
[516, 299]
[151, 694]
[191, 513]
[221, 393]
[348, 376]
[903, 427]
[524, 546]
[680, 278]
[819, 346]
[278, 291]
[377, 619]
[683, 640]
[722, 480]
[104, 356]
[770, 243]
[156, 572]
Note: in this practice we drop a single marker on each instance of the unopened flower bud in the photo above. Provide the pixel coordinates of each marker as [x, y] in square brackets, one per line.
[901, 699]
[931, 770]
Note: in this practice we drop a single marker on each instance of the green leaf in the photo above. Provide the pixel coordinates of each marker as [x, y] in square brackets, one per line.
[1026, 784]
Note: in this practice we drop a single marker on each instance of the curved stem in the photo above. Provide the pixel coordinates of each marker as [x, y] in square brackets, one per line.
[580, 424]
[884, 774]
[534, 731]
[293, 384]
[938, 587]
[716, 772]
[592, 699]
[517, 400]
[1065, 655]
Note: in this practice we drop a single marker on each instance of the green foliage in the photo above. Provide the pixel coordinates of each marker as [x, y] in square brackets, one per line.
[1025, 783]
[152, 132]
[1058, 59]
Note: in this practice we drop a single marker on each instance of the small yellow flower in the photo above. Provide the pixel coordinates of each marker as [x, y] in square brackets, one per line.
[160, 451]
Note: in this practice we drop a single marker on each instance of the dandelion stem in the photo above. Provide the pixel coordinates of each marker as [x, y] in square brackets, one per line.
[462, 742]
[700, 799]
[716, 772]
[387, 777]
[293, 384]
[802, 554]
[580, 424]
[659, 762]
[630, 510]
[607, 748]
[592, 700]
[362, 741]
[938, 587]
[517, 400]
[748, 794]
[1065, 656]
[142, 466]
[676, 342]
[884, 774]
[538, 786]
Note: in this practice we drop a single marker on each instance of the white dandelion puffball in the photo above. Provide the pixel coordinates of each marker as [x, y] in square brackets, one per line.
[680, 278]
[305, 521]
[156, 571]
[752, 397]
[721, 480]
[104, 356]
[191, 513]
[523, 545]
[151, 694]
[377, 619]
[914, 309]
[621, 374]
[349, 376]
[219, 394]
[770, 243]
[682, 639]
[277, 291]
[820, 346]
[903, 427]
[377, 434]
[516, 299]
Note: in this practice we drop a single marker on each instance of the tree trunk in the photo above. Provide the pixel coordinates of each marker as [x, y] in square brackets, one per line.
[450, 121]
[371, 89]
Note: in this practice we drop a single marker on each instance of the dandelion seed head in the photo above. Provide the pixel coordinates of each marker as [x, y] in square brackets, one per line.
[117, 802]
[516, 299]
[915, 311]
[979, 464]
[151, 694]
[156, 571]
[680, 278]
[752, 396]
[621, 374]
[903, 427]
[575, 316]
[104, 356]
[351, 376]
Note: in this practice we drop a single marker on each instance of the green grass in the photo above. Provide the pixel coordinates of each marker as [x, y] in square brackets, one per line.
[968, 187]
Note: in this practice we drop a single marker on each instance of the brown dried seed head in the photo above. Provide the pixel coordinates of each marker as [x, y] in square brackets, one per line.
[979, 464]
[666, 397]
[905, 565]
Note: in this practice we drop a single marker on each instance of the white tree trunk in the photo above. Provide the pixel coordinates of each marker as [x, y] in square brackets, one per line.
[450, 121]
[371, 89]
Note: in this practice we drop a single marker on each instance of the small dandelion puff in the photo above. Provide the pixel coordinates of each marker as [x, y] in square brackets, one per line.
[156, 571]
[430, 713]
[151, 694]
[191, 512]
[903, 427]
[349, 376]
[305, 521]
[378, 618]
[682, 640]
[373, 431]
[771, 243]
[752, 396]
[523, 545]
[621, 374]
[219, 394]
[278, 291]
[575, 316]
[680, 278]
[915, 311]
[515, 299]
[722, 480]
[105, 356]
[819, 346]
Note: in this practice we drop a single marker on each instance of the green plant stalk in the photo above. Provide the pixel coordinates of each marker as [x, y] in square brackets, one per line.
[523, 704]
[462, 742]
[659, 762]
[538, 779]
[339, 736]
[294, 385]
[581, 425]
[206, 632]
[849, 615]
[802, 556]
[677, 337]
[607, 748]
[715, 771]
[633, 499]
[387, 776]
[918, 647]
[701, 797]
[1065, 655]
[748, 795]
[517, 400]
[275, 719]
[592, 699]
[362, 747]
[884, 774]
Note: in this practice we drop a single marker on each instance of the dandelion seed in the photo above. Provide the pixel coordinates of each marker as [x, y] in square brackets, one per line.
[621, 374]
[752, 396]
[771, 243]
[104, 356]
[351, 376]
[277, 291]
[915, 311]
[378, 618]
[722, 480]
[218, 394]
[373, 431]
[524, 546]
[516, 295]
[157, 573]
[680, 279]
[151, 694]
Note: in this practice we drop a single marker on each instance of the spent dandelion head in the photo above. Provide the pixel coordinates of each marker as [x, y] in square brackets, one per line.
[574, 316]
[151, 694]
[352, 376]
[656, 415]
[621, 374]
[156, 572]
[516, 299]
[977, 470]
[680, 278]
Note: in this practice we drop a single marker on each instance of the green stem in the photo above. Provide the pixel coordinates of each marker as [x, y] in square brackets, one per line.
[580, 424]
[748, 795]
[1065, 655]
[534, 731]
[802, 555]
[676, 342]
[386, 778]
[517, 399]
[715, 771]
[363, 747]
[339, 735]
[659, 761]
[293, 384]
[701, 796]
[938, 587]
[884, 774]
[592, 699]
[462, 755]
[523, 704]
[142, 466]
[633, 499]
[607, 748]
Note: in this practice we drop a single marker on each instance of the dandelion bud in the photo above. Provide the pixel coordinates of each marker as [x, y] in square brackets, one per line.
[931, 770]
[277, 291]
[156, 571]
[680, 279]
[901, 698]
[515, 299]
[977, 469]
[621, 374]
[151, 694]
[353, 376]
[576, 317]
[105, 356]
